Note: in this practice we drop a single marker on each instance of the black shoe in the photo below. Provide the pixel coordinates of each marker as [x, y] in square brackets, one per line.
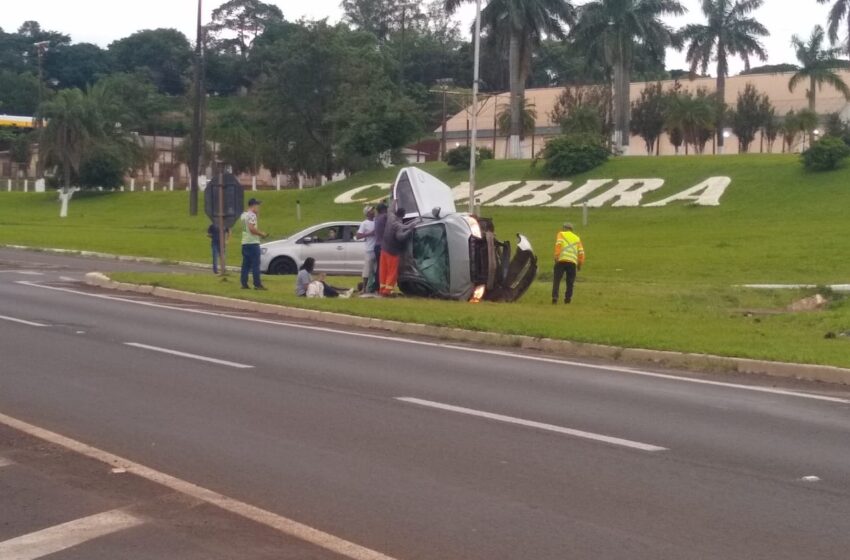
[260, 288]
[246, 288]
[568, 301]
[554, 301]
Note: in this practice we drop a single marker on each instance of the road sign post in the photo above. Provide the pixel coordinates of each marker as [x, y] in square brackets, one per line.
[223, 204]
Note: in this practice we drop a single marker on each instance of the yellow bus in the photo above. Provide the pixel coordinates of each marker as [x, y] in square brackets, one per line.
[17, 122]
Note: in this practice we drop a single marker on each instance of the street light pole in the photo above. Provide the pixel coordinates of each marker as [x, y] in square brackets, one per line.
[473, 148]
[197, 119]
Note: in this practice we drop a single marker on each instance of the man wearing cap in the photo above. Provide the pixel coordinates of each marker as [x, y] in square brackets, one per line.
[251, 236]
[569, 257]
[367, 232]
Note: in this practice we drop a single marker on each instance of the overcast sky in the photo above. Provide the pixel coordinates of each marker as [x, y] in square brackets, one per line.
[103, 21]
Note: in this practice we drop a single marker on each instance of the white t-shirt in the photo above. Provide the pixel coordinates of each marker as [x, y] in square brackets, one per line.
[368, 226]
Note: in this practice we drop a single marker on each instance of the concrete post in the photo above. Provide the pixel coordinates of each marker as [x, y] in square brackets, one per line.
[26, 185]
[277, 182]
[132, 185]
[152, 187]
[253, 182]
[171, 183]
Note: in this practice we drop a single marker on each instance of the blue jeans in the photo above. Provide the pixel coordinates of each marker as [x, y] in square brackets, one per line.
[251, 262]
[216, 255]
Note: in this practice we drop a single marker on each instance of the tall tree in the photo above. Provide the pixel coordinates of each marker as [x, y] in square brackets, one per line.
[611, 30]
[839, 15]
[749, 115]
[247, 19]
[382, 18]
[521, 24]
[729, 31]
[165, 54]
[76, 66]
[648, 116]
[817, 65]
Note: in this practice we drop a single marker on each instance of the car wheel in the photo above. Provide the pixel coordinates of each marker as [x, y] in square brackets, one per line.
[283, 265]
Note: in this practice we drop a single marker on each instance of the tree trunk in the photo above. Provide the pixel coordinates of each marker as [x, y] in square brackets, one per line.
[812, 105]
[622, 107]
[721, 98]
[514, 63]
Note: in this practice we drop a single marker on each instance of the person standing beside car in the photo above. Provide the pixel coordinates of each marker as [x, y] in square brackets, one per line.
[395, 240]
[251, 235]
[380, 227]
[367, 231]
[569, 258]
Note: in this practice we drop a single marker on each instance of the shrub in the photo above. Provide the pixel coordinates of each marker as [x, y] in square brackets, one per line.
[459, 157]
[571, 154]
[825, 154]
[102, 168]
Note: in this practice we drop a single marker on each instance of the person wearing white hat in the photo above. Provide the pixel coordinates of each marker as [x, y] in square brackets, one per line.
[367, 232]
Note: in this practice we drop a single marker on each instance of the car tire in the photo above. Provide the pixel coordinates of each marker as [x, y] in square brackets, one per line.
[283, 265]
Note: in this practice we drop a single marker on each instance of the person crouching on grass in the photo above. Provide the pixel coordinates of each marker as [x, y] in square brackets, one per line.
[305, 286]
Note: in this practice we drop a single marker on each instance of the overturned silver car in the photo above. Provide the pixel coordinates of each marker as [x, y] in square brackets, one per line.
[454, 255]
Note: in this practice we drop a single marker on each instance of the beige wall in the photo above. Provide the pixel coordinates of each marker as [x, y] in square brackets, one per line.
[829, 100]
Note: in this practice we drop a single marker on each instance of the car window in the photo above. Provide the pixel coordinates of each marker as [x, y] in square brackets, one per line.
[349, 233]
[404, 195]
[327, 235]
[431, 254]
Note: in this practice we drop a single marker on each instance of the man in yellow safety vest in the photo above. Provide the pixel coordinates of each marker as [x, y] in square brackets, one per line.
[569, 256]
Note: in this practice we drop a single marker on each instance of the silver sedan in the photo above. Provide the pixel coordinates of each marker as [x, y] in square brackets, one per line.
[332, 245]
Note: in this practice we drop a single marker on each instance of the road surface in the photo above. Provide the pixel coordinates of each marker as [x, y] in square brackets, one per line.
[245, 436]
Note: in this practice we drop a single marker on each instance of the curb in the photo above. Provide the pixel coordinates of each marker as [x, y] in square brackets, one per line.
[702, 363]
[111, 256]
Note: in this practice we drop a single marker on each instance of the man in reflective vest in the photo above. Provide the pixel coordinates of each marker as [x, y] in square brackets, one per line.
[569, 256]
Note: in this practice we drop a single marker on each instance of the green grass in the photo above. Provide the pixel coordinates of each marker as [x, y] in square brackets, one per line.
[655, 277]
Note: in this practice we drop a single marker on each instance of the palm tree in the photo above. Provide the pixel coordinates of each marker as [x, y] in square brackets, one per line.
[521, 24]
[610, 30]
[729, 32]
[840, 13]
[818, 66]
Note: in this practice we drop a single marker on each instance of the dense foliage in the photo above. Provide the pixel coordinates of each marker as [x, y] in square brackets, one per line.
[826, 154]
[574, 153]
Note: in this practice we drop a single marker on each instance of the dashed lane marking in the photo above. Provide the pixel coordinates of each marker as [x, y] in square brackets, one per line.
[4, 462]
[277, 522]
[532, 424]
[188, 355]
[64, 536]
[22, 321]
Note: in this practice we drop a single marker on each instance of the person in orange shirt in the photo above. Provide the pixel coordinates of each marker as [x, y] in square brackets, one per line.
[569, 258]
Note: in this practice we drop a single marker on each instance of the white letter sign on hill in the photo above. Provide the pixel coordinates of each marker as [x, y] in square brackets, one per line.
[534, 193]
[624, 193]
[348, 197]
[712, 189]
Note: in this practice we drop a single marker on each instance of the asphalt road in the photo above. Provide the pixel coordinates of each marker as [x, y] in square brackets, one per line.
[411, 448]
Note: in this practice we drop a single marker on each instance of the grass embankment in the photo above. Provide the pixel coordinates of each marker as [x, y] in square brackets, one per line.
[659, 278]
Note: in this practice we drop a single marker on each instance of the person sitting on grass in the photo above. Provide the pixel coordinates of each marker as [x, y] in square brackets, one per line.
[305, 286]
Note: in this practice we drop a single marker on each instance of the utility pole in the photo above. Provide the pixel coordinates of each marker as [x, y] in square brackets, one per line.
[40, 48]
[197, 119]
[473, 151]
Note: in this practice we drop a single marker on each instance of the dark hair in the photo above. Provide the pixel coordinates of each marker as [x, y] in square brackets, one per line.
[308, 264]
[400, 212]
[381, 208]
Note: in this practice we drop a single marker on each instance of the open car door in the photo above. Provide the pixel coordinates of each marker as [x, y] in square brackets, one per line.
[513, 276]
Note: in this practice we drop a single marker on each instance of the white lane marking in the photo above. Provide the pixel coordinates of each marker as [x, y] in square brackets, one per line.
[29, 273]
[67, 279]
[188, 355]
[64, 536]
[4, 462]
[532, 424]
[502, 353]
[277, 522]
[22, 322]
[810, 478]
